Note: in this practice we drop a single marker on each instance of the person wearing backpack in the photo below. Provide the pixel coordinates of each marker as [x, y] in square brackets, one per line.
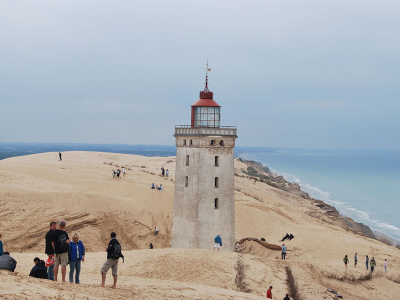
[60, 241]
[114, 252]
[76, 254]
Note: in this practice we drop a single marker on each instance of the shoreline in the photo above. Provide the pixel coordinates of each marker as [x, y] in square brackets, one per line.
[378, 235]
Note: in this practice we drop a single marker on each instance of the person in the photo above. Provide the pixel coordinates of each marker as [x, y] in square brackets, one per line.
[287, 297]
[1, 246]
[160, 187]
[269, 293]
[355, 260]
[385, 265]
[167, 172]
[155, 230]
[346, 260]
[114, 173]
[60, 243]
[153, 186]
[283, 252]
[366, 261]
[291, 236]
[285, 237]
[59, 155]
[7, 262]
[372, 264]
[123, 171]
[113, 255]
[162, 171]
[49, 249]
[151, 246]
[76, 254]
[118, 173]
[218, 242]
[39, 270]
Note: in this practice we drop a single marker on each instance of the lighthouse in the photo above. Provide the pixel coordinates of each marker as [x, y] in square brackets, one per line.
[204, 203]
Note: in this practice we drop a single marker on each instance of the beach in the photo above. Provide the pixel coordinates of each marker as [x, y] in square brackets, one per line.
[36, 189]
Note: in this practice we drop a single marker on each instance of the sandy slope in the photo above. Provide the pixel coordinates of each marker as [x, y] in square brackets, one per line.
[37, 189]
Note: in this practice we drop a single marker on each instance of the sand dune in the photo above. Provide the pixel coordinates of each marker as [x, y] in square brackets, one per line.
[37, 189]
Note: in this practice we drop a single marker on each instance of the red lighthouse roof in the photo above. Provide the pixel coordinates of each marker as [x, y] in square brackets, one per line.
[206, 97]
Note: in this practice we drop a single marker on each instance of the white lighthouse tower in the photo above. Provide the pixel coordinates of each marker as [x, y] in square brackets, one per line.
[204, 204]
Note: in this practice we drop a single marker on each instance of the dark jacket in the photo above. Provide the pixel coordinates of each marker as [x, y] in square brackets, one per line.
[7, 263]
[39, 270]
[111, 248]
[72, 252]
[49, 248]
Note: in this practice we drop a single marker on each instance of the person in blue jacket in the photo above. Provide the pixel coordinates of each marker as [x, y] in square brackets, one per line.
[1, 246]
[218, 242]
[76, 253]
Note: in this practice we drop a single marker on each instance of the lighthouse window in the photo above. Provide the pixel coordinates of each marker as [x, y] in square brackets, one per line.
[212, 142]
[216, 182]
[216, 203]
[206, 116]
[216, 161]
[187, 160]
[184, 142]
[186, 181]
[190, 143]
[221, 143]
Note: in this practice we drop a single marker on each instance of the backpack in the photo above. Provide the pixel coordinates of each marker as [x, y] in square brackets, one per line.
[117, 251]
[62, 243]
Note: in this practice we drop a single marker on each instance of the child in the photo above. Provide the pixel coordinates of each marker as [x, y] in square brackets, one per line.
[346, 260]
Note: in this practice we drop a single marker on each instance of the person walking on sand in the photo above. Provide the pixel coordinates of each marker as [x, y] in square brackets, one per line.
[118, 173]
[123, 171]
[366, 261]
[113, 254]
[162, 171]
[218, 242]
[385, 265]
[345, 260]
[60, 243]
[155, 230]
[287, 297]
[39, 270]
[49, 249]
[283, 256]
[372, 264]
[167, 172]
[76, 253]
[7, 262]
[1, 246]
[59, 155]
[114, 174]
[269, 293]
[355, 260]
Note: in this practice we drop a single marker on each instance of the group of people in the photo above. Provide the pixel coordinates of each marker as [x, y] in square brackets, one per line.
[62, 251]
[153, 187]
[117, 174]
[287, 237]
[372, 262]
[164, 172]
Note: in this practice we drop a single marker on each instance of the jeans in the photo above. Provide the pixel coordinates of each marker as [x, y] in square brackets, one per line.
[372, 268]
[72, 266]
[385, 269]
[283, 255]
[367, 265]
[50, 272]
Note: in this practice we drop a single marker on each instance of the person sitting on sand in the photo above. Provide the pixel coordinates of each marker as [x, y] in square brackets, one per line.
[153, 186]
[39, 270]
[7, 262]
[76, 253]
[151, 246]
[291, 236]
[160, 187]
[345, 260]
[285, 237]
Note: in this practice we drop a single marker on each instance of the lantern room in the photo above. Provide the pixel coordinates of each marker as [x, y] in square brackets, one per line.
[206, 112]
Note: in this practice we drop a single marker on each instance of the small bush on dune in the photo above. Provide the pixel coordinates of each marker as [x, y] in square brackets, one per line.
[386, 240]
[143, 166]
[240, 279]
[292, 284]
[394, 278]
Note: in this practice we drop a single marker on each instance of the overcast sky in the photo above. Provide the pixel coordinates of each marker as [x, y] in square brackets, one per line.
[319, 74]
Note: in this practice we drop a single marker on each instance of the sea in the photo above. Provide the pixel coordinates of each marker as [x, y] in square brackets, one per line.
[361, 184]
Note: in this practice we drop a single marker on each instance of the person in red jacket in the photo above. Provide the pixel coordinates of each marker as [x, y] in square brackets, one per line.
[269, 293]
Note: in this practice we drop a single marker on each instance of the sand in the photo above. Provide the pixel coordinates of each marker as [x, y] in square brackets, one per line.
[37, 189]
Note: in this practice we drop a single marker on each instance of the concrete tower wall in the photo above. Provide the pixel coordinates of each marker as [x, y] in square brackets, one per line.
[196, 219]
